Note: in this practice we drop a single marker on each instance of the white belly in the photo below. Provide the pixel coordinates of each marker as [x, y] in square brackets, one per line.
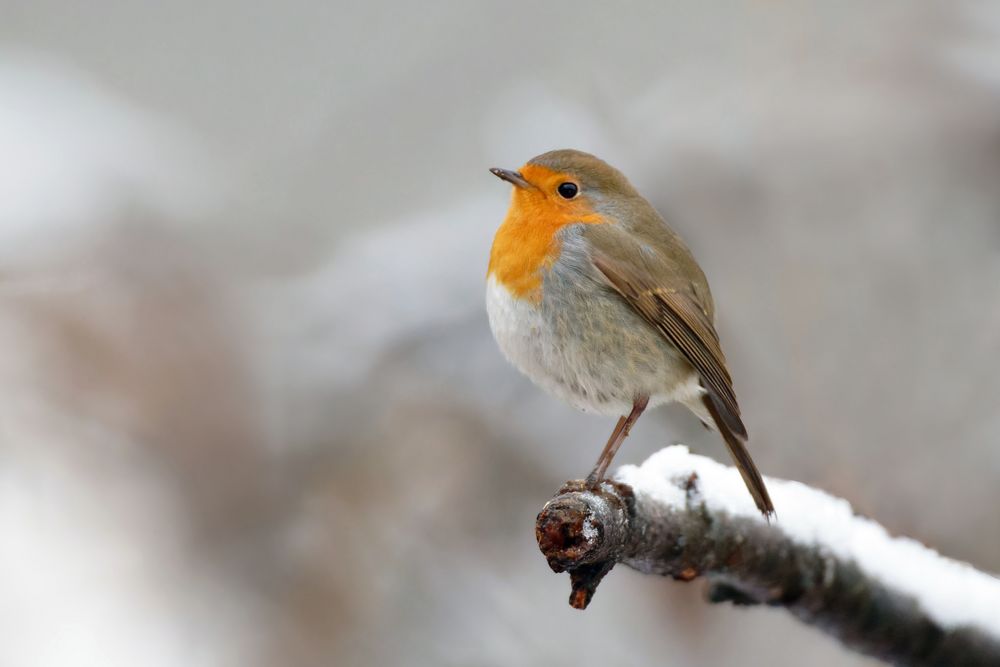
[599, 370]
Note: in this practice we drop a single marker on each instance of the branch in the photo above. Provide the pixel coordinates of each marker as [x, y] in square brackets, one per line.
[686, 516]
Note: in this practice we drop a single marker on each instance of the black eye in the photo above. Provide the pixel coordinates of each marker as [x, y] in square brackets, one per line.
[567, 190]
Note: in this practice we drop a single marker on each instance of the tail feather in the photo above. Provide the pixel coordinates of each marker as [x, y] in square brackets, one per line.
[736, 443]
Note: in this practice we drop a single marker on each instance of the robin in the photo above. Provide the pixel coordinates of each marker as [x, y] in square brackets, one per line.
[597, 300]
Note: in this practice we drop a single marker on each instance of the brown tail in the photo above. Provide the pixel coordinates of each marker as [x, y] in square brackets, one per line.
[741, 457]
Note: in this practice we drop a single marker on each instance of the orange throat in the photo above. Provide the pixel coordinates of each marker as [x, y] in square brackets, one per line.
[526, 246]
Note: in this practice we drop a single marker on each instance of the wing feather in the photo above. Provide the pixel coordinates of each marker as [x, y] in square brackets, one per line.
[651, 286]
[677, 316]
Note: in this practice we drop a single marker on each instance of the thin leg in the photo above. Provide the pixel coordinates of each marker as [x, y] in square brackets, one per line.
[615, 441]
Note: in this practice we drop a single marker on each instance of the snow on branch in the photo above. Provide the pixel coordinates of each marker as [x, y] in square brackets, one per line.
[687, 516]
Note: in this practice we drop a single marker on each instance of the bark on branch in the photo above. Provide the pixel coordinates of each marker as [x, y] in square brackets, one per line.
[684, 530]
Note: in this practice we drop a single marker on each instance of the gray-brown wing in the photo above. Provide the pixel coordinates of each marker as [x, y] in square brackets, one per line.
[679, 318]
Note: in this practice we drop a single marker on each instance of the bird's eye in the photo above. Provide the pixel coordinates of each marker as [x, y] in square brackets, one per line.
[567, 190]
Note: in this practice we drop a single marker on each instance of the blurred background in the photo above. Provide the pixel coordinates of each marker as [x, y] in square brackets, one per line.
[250, 409]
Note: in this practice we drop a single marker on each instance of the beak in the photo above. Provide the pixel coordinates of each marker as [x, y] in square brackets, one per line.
[511, 177]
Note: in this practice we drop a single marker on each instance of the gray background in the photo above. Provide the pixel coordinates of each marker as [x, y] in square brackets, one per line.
[251, 410]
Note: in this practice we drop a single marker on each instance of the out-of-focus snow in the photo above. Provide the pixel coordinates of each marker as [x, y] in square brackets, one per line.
[385, 285]
[95, 574]
[952, 593]
[73, 154]
[95, 562]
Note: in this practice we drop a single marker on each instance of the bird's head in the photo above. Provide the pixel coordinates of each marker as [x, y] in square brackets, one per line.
[565, 185]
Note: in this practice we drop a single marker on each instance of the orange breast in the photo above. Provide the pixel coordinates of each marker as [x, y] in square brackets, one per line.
[526, 244]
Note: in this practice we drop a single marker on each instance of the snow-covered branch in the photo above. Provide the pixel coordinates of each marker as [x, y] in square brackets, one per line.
[687, 516]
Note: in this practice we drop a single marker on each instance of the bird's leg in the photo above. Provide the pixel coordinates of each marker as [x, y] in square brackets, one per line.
[615, 441]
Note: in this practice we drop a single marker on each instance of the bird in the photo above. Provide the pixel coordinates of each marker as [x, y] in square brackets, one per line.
[593, 296]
